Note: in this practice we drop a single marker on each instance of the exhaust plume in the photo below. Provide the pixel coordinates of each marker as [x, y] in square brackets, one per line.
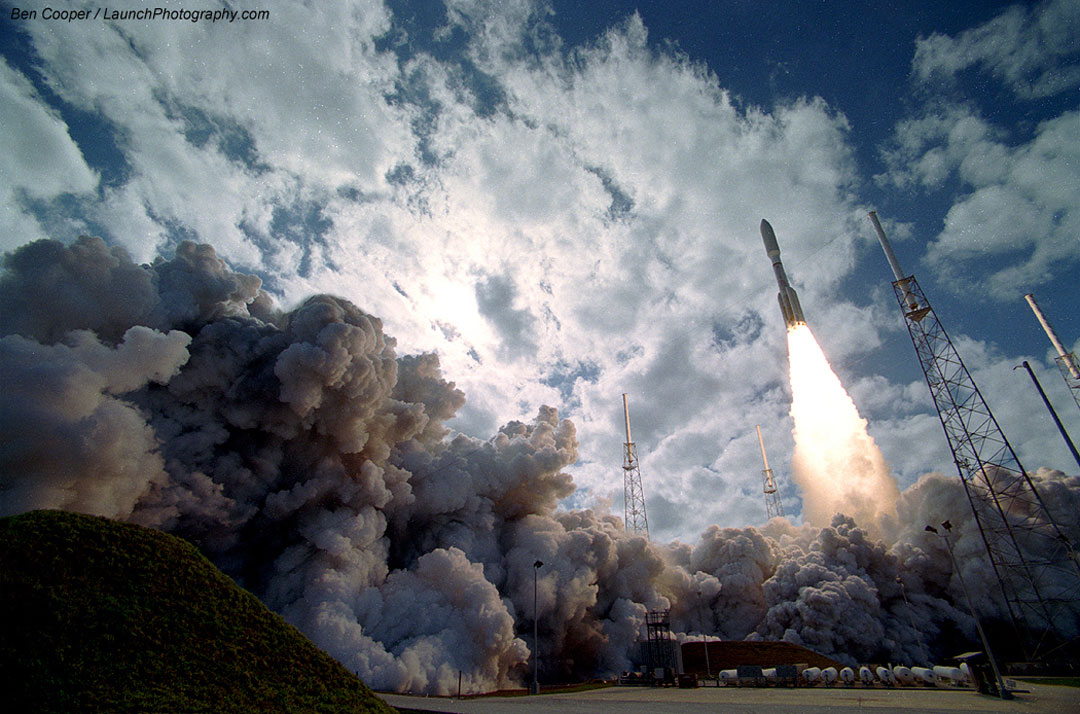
[836, 462]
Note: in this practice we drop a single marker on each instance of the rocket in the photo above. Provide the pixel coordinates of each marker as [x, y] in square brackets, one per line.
[789, 301]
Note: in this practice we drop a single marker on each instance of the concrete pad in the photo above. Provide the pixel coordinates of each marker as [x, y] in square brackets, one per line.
[1042, 699]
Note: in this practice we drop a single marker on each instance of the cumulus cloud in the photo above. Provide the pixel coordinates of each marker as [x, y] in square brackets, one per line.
[1018, 183]
[41, 160]
[485, 204]
[1029, 48]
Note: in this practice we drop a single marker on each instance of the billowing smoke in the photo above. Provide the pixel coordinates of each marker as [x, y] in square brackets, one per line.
[310, 461]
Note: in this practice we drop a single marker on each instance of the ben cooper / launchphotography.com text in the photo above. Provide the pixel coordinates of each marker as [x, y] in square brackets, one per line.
[148, 13]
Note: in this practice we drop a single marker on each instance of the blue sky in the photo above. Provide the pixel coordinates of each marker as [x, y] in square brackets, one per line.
[562, 199]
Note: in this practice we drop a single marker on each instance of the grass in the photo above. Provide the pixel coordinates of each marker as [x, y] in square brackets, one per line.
[100, 616]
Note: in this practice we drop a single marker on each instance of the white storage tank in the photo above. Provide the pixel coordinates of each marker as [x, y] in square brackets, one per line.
[924, 674]
[903, 674]
[866, 676]
[886, 675]
[952, 675]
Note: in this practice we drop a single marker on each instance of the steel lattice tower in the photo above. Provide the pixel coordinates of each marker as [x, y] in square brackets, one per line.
[1035, 564]
[1070, 366]
[1032, 558]
[773, 505]
[634, 516]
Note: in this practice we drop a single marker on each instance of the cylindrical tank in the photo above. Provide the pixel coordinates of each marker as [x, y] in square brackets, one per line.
[954, 675]
[811, 674]
[729, 676]
[886, 675]
[769, 673]
[903, 674]
[966, 670]
[829, 675]
[924, 674]
[866, 676]
[847, 675]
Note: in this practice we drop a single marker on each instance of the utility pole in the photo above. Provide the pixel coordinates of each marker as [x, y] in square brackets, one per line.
[536, 641]
[1002, 691]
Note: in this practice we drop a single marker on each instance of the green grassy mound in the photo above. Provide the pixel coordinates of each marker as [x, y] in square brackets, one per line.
[101, 616]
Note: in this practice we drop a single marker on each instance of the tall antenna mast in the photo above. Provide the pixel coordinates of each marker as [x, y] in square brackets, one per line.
[1032, 559]
[634, 496]
[1067, 363]
[773, 505]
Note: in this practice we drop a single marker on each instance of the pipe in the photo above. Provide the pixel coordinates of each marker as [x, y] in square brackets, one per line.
[1070, 360]
[893, 262]
[762, 443]
[1053, 413]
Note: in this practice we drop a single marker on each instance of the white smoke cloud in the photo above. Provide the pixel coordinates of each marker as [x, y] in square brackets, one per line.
[313, 464]
[71, 440]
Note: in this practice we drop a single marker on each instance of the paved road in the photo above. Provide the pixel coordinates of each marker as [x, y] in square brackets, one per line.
[1042, 699]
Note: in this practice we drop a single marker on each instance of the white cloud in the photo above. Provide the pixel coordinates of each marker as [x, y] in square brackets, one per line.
[595, 233]
[1014, 220]
[39, 161]
[1026, 48]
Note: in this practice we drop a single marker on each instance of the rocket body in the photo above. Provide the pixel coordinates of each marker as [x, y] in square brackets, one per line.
[789, 301]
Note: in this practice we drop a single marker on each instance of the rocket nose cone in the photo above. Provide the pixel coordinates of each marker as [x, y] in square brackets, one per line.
[769, 237]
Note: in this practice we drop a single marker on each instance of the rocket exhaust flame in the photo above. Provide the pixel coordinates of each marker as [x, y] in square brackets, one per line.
[836, 462]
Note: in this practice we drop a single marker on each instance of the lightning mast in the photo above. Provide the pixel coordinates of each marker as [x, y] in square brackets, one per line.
[634, 496]
[1034, 562]
[1067, 362]
[773, 505]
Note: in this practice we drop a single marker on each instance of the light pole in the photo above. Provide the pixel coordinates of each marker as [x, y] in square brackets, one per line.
[1002, 692]
[910, 618]
[536, 644]
[704, 639]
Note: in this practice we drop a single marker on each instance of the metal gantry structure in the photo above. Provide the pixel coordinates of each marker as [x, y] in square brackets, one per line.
[634, 516]
[659, 644]
[773, 505]
[1034, 562]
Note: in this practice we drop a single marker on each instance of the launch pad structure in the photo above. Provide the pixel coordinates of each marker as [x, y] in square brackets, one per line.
[1032, 559]
[634, 518]
[773, 505]
[660, 646]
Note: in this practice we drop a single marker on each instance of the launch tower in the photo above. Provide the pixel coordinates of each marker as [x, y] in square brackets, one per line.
[1066, 361]
[773, 505]
[633, 495]
[1034, 562]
